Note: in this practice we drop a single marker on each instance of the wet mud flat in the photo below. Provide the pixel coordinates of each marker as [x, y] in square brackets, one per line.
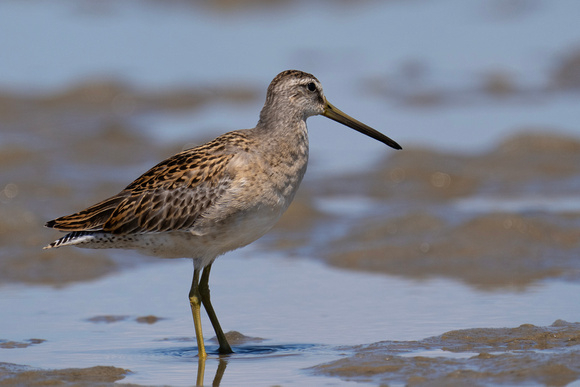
[526, 355]
[18, 375]
[506, 218]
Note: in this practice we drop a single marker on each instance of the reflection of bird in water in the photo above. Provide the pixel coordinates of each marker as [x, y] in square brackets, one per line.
[217, 197]
[219, 373]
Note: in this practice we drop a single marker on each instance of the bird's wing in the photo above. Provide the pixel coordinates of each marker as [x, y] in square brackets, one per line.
[168, 197]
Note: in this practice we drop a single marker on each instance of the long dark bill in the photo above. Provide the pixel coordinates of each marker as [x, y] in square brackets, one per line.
[335, 114]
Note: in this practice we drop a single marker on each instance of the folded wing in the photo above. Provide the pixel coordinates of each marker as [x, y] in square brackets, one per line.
[169, 197]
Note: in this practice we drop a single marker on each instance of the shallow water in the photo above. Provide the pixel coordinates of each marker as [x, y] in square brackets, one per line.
[304, 311]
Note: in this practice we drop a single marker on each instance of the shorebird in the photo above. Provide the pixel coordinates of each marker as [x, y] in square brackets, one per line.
[217, 197]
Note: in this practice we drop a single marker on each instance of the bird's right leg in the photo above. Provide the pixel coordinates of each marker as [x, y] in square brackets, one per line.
[195, 302]
[205, 298]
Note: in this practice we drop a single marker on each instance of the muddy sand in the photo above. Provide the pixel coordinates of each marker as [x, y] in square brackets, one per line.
[526, 355]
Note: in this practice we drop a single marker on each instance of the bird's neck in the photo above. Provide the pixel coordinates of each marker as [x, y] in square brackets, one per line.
[280, 127]
[273, 115]
[285, 140]
[284, 135]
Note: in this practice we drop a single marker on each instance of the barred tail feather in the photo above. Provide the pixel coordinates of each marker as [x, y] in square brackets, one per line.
[75, 238]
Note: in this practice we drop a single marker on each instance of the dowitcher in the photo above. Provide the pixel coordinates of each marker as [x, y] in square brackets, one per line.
[217, 197]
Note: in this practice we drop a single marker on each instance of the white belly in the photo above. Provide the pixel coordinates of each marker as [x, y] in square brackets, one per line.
[204, 248]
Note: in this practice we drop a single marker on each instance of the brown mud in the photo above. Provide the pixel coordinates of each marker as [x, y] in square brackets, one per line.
[18, 375]
[20, 344]
[526, 355]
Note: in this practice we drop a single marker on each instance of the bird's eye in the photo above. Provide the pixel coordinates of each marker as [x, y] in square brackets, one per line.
[311, 86]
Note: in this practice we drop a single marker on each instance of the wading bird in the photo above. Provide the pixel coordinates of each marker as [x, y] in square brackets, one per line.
[217, 197]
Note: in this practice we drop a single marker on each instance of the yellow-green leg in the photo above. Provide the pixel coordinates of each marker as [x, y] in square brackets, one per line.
[204, 294]
[194, 301]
